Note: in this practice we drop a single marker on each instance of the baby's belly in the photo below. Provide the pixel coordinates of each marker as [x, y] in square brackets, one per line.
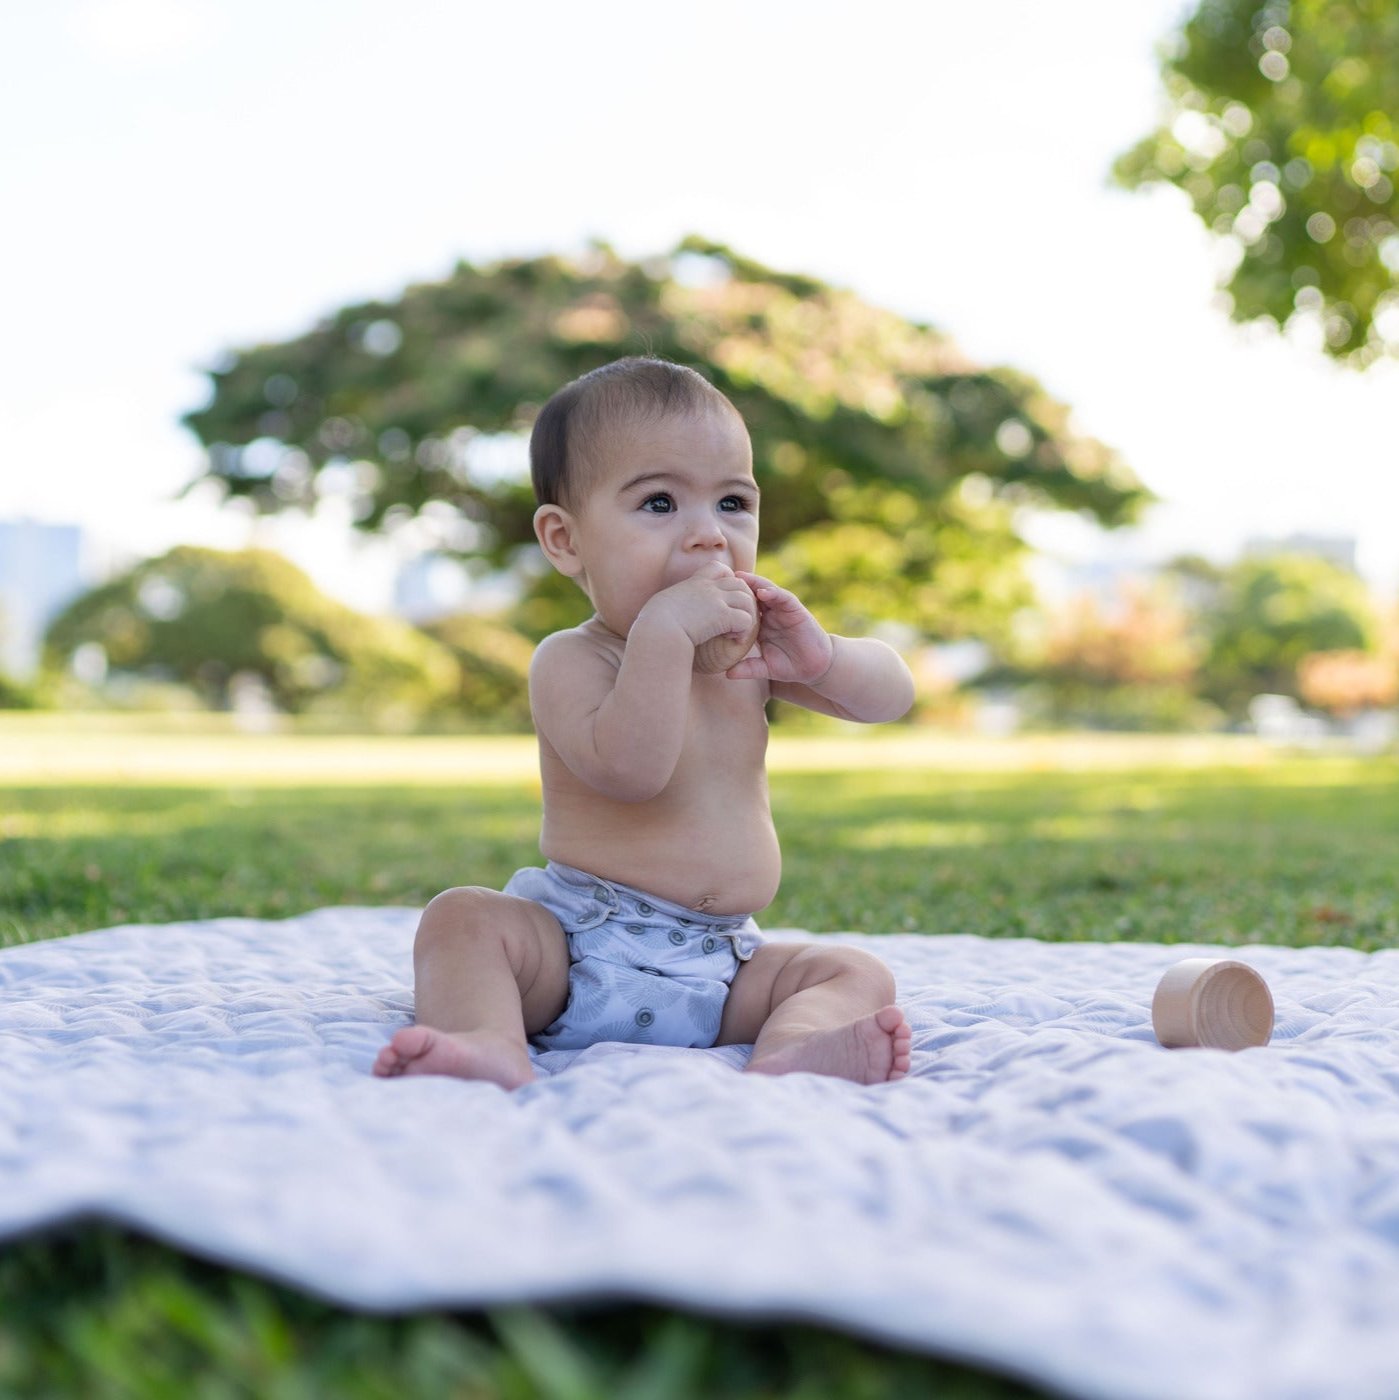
[718, 862]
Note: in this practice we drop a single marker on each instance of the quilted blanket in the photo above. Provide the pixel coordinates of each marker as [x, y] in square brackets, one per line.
[1050, 1193]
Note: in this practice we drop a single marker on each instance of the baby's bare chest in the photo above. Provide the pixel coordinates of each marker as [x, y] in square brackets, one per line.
[726, 732]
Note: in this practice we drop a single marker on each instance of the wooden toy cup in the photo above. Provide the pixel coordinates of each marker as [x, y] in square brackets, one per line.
[714, 657]
[1214, 1003]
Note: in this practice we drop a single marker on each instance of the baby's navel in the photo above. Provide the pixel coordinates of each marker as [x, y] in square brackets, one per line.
[703, 903]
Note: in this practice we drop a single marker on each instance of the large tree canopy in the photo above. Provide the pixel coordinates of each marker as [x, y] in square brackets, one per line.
[862, 422]
[1282, 127]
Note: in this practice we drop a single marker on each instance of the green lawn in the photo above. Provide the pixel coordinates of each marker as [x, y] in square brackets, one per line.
[102, 823]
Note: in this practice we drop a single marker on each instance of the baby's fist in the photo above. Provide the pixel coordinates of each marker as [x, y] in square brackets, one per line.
[718, 654]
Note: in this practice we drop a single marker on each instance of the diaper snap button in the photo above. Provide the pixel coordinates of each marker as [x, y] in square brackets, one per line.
[645, 1016]
[635, 929]
[644, 909]
[676, 937]
[710, 943]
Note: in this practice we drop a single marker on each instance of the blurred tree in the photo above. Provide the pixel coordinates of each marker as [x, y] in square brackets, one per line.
[203, 618]
[1346, 682]
[947, 567]
[493, 660]
[1128, 663]
[1282, 127]
[1269, 613]
[1143, 637]
[15, 696]
[415, 410]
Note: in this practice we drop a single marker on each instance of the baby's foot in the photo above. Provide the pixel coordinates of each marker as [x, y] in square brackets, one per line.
[467, 1054]
[871, 1050]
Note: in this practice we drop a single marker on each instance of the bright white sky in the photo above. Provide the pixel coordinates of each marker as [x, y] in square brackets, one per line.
[183, 176]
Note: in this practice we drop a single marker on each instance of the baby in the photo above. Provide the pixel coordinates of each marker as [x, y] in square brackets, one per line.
[657, 828]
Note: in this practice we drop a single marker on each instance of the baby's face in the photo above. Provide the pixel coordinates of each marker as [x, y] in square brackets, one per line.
[668, 496]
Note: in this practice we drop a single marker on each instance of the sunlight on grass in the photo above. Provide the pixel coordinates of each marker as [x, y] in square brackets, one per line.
[1070, 827]
[276, 760]
[919, 835]
[932, 835]
[51, 749]
[75, 820]
[851, 746]
[879, 832]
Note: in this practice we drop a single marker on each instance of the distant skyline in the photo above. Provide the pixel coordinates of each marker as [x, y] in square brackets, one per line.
[41, 570]
[197, 175]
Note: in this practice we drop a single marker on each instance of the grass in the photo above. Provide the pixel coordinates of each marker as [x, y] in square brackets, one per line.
[102, 824]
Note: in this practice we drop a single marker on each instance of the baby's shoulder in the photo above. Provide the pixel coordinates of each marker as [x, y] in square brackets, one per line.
[588, 647]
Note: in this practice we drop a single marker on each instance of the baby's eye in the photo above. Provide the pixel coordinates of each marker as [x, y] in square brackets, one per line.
[733, 505]
[659, 504]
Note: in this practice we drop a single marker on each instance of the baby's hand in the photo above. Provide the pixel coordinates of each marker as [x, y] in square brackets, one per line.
[712, 602]
[792, 645]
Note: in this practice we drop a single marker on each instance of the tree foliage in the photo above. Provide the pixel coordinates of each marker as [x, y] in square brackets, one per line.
[1347, 682]
[1126, 662]
[493, 661]
[413, 409]
[202, 617]
[1269, 613]
[1143, 638]
[16, 696]
[1282, 127]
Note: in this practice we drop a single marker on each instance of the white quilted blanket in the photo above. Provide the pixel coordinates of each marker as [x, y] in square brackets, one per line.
[1050, 1194]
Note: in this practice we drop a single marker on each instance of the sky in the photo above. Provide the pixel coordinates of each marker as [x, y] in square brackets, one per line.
[183, 177]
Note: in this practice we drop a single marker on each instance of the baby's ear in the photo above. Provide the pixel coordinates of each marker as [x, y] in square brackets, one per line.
[553, 528]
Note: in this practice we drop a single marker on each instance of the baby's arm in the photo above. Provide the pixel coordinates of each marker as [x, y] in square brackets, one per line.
[854, 678]
[620, 729]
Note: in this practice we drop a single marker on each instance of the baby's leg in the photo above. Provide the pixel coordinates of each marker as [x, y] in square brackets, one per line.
[824, 1009]
[489, 969]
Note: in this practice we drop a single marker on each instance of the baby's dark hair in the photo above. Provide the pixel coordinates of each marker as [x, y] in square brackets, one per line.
[564, 441]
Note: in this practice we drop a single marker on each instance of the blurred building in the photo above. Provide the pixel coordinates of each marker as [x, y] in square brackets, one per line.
[42, 569]
[1337, 549]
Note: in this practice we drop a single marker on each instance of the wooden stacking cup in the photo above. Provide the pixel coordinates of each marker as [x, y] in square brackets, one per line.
[1214, 1003]
[714, 657]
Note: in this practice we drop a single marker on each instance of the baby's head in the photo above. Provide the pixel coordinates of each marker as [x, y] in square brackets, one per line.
[644, 475]
[579, 424]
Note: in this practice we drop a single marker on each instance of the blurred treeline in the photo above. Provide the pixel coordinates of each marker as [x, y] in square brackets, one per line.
[1188, 647]
[896, 474]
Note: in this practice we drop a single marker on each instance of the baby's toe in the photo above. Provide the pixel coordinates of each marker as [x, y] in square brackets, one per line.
[889, 1019]
[410, 1042]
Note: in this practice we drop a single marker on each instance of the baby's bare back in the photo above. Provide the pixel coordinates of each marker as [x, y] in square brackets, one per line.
[706, 840]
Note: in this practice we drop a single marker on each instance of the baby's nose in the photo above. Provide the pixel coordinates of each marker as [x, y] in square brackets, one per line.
[706, 534]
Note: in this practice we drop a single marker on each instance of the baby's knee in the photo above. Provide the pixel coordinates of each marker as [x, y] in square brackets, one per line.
[464, 910]
[861, 966]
